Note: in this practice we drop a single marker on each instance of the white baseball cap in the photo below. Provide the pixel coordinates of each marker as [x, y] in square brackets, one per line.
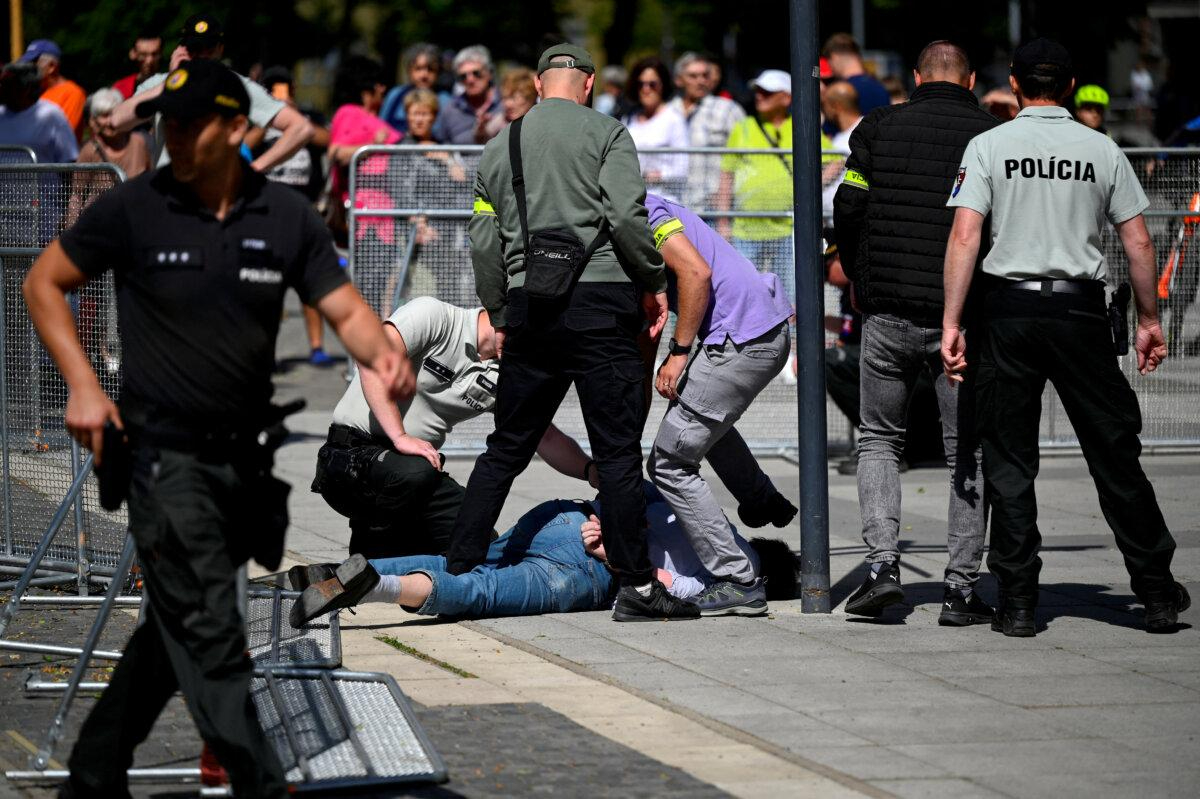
[773, 80]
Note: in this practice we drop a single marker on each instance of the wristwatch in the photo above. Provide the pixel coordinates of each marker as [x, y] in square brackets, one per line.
[675, 348]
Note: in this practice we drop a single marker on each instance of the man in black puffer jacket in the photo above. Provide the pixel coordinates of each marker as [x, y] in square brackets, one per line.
[892, 224]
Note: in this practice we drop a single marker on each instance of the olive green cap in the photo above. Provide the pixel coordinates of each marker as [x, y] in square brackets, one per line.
[580, 59]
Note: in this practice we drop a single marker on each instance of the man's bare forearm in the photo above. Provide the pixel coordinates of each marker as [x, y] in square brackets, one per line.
[296, 132]
[563, 453]
[961, 251]
[1139, 249]
[693, 278]
[386, 412]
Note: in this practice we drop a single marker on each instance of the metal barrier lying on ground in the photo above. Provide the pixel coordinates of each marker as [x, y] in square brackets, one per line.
[409, 208]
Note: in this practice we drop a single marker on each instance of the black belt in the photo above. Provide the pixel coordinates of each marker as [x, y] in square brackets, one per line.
[341, 435]
[1048, 287]
[226, 442]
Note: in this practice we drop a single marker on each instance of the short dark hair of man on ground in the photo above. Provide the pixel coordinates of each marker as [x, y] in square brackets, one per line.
[635, 75]
[778, 565]
[943, 60]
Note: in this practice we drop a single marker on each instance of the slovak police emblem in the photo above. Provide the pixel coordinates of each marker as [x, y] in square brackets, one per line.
[177, 79]
[958, 181]
[201, 26]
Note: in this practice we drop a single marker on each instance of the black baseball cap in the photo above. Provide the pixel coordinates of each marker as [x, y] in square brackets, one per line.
[1042, 57]
[196, 88]
[201, 32]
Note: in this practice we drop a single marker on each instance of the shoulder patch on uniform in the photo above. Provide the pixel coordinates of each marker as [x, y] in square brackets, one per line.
[958, 181]
[482, 206]
[665, 230]
[856, 179]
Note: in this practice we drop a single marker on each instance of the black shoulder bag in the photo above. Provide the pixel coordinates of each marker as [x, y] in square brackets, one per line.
[554, 257]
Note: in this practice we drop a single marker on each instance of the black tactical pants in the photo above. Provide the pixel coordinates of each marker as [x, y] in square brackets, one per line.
[1064, 338]
[397, 504]
[183, 513]
[591, 343]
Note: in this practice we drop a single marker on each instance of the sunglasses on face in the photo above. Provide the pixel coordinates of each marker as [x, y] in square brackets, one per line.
[649, 84]
[472, 73]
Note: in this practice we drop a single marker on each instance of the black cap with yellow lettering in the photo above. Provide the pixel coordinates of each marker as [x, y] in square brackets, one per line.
[196, 88]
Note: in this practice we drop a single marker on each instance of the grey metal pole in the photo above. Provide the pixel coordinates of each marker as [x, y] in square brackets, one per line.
[810, 311]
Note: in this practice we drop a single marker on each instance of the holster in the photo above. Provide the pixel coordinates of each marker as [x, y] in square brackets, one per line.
[1118, 319]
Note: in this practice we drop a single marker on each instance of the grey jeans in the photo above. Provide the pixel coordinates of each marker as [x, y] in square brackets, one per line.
[717, 387]
[893, 353]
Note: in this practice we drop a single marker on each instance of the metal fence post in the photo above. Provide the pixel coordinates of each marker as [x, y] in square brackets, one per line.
[810, 312]
[8, 499]
[80, 528]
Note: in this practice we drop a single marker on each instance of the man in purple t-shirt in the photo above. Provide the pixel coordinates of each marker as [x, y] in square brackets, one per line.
[741, 320]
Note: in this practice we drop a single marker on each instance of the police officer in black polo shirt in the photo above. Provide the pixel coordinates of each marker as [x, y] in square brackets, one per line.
[202, 251]
[1050, 185]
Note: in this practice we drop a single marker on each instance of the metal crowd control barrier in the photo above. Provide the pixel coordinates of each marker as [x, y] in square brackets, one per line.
[17, 154]
[408, 219]
[37, 202]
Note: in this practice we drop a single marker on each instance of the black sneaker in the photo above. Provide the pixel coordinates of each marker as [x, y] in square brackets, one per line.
[777, 511]
[960, 612]
[877, 592]
[734, 599]
[1014, 622]
[301, 577]
[1163, 609]
[352, 581]
[659, 606]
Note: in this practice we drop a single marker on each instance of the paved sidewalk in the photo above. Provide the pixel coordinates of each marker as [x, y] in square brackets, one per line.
[806, 705]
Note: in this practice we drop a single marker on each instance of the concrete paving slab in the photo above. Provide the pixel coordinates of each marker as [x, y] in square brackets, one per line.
[1051, 690]
[1055, 756]
[872, 762]
[1140, 726]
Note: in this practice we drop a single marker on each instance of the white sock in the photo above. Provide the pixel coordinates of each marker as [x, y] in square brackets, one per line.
[644, 590]
[875, 567]
[386, 590]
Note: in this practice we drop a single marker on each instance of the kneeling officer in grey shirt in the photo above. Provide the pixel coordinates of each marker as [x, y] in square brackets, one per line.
[380, 464]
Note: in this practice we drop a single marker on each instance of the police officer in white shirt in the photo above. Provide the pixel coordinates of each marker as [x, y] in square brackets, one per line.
[1051, 185]
[380, 464]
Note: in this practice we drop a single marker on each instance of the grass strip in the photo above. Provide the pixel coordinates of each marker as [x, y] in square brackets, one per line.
[419, 655]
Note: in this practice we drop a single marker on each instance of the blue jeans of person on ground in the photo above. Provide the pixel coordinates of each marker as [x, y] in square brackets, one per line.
[772, 255]
[537, 566]
[894, 351]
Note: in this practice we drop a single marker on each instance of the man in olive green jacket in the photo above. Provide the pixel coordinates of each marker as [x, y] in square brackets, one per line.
[581, 178]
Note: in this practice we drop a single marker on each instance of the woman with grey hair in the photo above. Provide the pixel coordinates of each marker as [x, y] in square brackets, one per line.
[129, 151]
[422, 66]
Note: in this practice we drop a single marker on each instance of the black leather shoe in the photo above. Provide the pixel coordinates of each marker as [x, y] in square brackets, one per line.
[352, 581]
[960, 612]
[1015, 622]
[301, 577]
[877, 592]
[1163, 609]
[777, 511]
[659, 606]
